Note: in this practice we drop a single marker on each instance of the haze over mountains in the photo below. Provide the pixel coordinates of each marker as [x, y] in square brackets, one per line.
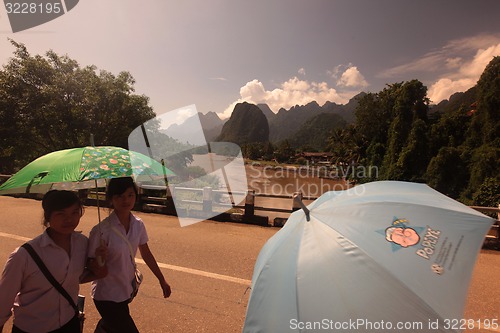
[210, 123]
[258, 123]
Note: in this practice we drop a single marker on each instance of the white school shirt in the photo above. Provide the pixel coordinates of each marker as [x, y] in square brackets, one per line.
[117, 285]
[37, 305]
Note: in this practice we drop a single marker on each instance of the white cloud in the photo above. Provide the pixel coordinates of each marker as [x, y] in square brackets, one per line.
[227, 112]
[294, 84]
[430, 62]
[452, 63]
[445, 87]
[352, 78]
[464, 77]
[456, 66]
[476, 67]
[253, 90]
[297, 91]
[290, 93]
[334, 73]
[449, 56]
[177, 116]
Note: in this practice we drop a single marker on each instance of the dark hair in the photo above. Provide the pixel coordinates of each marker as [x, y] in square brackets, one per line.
[55, 200]
[117, 186]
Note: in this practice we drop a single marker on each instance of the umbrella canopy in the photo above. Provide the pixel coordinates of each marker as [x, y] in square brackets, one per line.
[79, 168]
[378, 257]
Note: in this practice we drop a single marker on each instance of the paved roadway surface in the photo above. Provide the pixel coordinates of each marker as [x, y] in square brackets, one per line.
[209, 266]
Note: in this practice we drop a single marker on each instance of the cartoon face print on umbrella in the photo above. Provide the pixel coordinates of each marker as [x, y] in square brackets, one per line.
[401, 234]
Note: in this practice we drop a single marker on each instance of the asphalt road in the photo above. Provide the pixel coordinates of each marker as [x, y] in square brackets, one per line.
[209, 266]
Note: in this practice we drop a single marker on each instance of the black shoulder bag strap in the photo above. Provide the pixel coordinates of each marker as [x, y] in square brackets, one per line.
[48, 275]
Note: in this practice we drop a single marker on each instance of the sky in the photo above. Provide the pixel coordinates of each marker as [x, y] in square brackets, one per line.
[216, 53]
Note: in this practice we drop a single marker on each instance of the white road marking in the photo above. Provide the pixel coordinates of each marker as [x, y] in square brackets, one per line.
[16, 237]
[167, 266]
[200, 273]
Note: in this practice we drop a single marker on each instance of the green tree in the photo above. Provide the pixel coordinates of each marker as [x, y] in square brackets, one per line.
[373, 115]
[414, 157]
[50, 103]
[346, 145]
[375, 154]
[267, 151]
[485, 124]
[447, 171]
[284, 151]
[450, 130]
[411, 104]
[393, 126]
[482, 136]
[483, 165]
[252, 151]
[488, 194]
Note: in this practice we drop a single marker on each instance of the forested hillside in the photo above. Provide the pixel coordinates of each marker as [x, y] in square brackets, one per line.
[453, 146]
[455, 149]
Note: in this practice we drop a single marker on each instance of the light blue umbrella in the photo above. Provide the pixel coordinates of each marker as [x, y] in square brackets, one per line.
[378, 257]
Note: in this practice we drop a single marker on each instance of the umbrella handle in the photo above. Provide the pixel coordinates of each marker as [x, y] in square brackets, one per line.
[100, 261]
[304, 208]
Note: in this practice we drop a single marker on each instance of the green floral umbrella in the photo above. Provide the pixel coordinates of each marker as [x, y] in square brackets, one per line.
[81, 168]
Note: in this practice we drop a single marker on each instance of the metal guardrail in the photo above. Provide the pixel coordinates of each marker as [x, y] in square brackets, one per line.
[249, 207]
[208, 203]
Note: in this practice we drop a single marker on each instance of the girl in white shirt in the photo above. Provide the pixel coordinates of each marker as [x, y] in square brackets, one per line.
[24, 289]
[112, 294]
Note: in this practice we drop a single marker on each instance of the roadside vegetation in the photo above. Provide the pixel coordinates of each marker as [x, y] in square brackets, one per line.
[50, 103]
